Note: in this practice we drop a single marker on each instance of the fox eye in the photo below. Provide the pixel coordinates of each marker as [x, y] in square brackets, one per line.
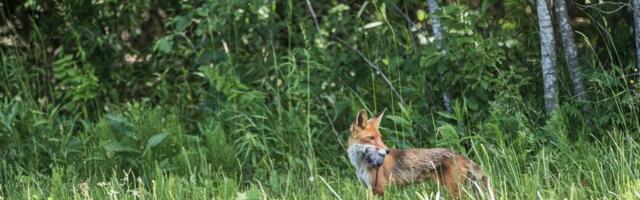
[370, 137]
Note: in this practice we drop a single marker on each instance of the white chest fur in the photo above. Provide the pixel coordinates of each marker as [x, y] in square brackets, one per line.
[356, 156]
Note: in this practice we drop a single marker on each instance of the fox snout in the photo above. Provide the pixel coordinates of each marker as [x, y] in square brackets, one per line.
[384, 151]
[374, 156]
[381, 151]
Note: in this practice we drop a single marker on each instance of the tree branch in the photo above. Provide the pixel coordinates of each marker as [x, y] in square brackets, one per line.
[313, 14]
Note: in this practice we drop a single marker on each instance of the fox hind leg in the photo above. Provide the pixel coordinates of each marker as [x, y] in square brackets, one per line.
[453, 175]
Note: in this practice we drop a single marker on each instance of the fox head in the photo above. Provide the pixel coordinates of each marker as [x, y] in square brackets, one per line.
[364, 131]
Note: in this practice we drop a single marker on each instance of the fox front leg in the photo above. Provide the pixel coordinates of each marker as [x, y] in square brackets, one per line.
[377, 184]
[378, 191]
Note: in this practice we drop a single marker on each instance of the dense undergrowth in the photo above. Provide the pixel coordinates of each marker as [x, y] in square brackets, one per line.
[252, 100]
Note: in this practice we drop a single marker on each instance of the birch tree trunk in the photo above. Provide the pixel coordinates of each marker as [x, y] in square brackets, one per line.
[636, 19]
[548, 57]
[570, 51]
[436, 25]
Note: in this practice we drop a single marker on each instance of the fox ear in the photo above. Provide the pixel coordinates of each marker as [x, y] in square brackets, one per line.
[376, 120]
[361, 119]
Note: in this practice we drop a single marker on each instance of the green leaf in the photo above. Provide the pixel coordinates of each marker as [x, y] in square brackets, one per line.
[472, 103]
[372, 25]
[40, 122]
[156, 139]
[398, 120]
[119, 124]
[339, 8]
[165, 44]
[421, 15]
[441, 67]
[203, 11]
[182, 22]
[118, 147]
[447, 115]
[210, 56]
[63, 62]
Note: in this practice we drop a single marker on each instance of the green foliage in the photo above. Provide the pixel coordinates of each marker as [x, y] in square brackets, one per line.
[73, 85]
[480, 73]
[253, 100]
[586, 170]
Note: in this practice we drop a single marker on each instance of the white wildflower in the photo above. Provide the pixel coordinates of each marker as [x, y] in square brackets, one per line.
[510, 43]
[422, 39]
[103, 184]
[113, 193]
[320, 42]
[431, 39]
[263, 12]
[135, 193]
[416, 28]
[241, 196]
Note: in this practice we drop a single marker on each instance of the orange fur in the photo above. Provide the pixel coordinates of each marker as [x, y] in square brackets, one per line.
[407, 166]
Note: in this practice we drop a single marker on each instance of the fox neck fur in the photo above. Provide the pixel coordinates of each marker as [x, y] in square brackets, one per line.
[357, 158]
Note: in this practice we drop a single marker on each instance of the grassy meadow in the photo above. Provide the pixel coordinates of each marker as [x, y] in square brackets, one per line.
[253, 99]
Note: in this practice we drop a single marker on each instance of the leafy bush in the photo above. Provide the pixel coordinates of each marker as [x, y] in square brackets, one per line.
[231, 95]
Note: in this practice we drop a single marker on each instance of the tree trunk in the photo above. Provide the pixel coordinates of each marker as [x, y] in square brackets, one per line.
[436, 25]
[636, 19]
[570, 51]
[548, 57]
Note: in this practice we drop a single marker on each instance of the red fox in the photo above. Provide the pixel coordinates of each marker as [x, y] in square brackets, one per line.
[406, 166]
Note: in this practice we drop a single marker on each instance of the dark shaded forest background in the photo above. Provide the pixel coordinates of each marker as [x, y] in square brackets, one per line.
[254, 88]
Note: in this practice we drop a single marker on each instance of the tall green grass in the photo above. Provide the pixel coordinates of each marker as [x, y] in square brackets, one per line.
[145, 153]
[268, 118]
[579, 171]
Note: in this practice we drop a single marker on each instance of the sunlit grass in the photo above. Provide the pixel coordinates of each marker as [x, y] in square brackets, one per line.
[579, 171]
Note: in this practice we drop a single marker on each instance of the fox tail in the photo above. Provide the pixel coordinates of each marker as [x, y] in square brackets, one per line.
[480, 183]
